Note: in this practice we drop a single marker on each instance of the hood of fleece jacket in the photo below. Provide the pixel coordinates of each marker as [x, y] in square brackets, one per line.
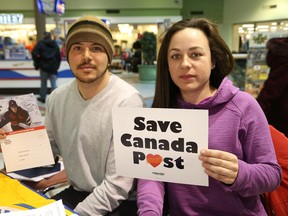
[49, 43]
[277, 51]
[225, 92]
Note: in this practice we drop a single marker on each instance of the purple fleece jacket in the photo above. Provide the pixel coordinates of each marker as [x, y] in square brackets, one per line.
[238, 125]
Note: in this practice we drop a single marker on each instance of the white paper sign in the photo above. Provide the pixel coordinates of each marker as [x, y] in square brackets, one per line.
[53, 209]
[160, 144]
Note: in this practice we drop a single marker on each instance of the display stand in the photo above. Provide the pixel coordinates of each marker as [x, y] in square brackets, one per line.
[257, 70]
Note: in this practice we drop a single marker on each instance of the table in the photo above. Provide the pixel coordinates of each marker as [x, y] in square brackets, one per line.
[17, 196]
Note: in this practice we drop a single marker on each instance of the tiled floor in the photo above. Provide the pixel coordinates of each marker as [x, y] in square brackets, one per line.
[145, 88]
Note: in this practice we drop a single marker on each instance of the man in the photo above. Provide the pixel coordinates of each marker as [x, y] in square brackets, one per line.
[17, 116]
[79, 121]
[46, 56]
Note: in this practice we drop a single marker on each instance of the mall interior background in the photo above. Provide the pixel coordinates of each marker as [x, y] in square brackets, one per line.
[237, 21]
[227, 13]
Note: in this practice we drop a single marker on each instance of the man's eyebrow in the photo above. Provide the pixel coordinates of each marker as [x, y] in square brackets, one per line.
[76, 43]
[92, 43]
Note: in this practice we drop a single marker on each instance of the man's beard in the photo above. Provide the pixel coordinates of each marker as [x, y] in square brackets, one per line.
[92, 79]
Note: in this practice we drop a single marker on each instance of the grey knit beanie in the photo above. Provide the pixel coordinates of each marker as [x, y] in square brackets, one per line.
[90, 29]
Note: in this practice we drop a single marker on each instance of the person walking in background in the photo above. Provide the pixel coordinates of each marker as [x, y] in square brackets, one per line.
[137, 56]
[47, 58]
[192, 68]
[63, 49]
[273, 97]
[17, 116]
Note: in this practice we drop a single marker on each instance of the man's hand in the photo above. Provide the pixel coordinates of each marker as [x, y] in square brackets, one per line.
[220, 165]
[45, 184]
[2, 136]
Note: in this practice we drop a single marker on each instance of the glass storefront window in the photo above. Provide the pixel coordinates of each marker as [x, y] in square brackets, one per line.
[242, 32]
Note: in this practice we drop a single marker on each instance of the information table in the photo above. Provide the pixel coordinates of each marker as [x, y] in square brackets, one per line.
[16, 196]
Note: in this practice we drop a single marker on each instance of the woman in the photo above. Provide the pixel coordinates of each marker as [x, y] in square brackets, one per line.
[193, 63]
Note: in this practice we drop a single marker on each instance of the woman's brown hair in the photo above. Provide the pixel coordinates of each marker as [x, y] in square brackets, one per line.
[166, 92]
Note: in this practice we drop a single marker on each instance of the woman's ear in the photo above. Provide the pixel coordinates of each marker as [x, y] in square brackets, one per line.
[212, 65]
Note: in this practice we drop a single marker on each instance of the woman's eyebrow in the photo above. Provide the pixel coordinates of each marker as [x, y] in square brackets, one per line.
[190, 49]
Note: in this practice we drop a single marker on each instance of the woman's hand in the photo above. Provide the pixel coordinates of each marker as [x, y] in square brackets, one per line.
[220, 165]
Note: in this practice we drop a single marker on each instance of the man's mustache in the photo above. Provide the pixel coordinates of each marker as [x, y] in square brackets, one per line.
[86, 64]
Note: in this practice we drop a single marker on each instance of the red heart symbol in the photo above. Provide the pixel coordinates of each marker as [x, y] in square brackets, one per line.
[154, 160]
